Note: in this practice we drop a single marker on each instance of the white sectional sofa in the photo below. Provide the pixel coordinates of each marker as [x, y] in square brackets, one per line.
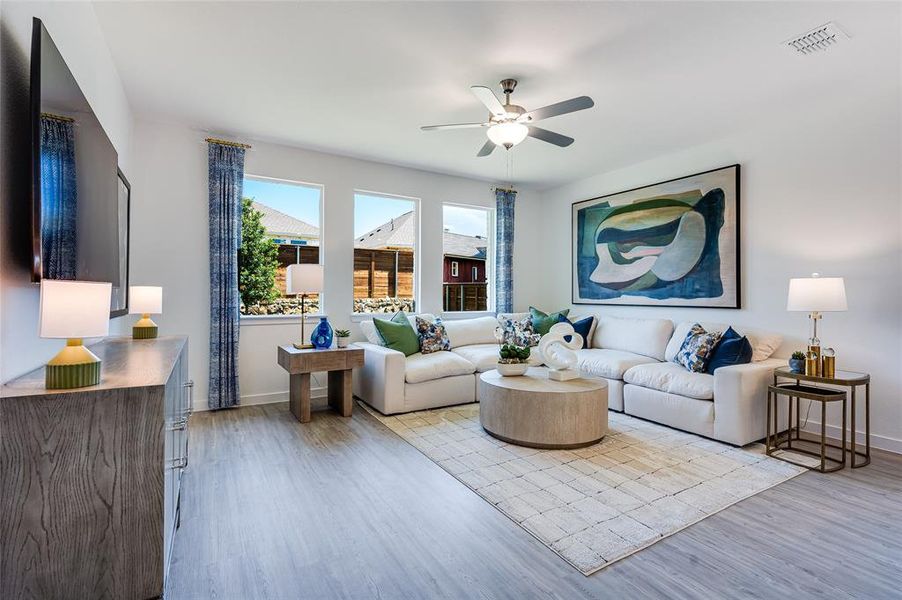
[633, 355]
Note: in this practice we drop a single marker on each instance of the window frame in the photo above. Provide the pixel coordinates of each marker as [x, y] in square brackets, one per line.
[455, 269]
[417, 220]
[263, 319]
[489, 261]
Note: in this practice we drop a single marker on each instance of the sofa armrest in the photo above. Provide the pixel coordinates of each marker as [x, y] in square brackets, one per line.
[740, 400]
[380, 383]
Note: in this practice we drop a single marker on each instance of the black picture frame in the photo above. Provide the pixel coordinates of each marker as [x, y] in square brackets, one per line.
[737, 304]
[128, 243]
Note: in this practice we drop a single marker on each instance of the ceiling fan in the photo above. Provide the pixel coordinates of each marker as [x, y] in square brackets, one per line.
[510, 124]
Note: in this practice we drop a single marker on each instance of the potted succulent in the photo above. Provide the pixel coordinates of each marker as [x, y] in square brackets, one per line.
[342, 337]
[513, 360]
[797, 362]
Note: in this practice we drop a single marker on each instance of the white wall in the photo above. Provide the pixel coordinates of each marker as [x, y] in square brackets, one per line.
[169, 240]
[820, 192]
[74, 28]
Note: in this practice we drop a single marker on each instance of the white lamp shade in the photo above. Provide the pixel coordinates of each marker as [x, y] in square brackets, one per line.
[145, 299]
[74, 309]
[507, 134]
[304, 279]
[816, 294]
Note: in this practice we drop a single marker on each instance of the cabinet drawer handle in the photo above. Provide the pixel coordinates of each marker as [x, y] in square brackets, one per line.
[190, 385]
[180, 425]
[178, 463]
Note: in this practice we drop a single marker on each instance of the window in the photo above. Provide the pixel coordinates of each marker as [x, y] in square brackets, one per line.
[467, 254]
[385, 242]
[280, 226]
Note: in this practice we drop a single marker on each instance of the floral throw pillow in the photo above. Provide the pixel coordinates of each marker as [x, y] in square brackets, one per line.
[433, 337]
[697, 349]
[519, 332]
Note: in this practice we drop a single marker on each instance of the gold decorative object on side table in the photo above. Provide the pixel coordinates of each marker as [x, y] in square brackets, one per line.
[848, 379]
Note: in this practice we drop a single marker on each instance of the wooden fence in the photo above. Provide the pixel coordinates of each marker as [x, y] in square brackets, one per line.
[383, 274]
[465, 296]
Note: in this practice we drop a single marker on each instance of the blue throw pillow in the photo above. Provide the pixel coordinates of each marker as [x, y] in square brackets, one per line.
[733, 349]
[582, 327]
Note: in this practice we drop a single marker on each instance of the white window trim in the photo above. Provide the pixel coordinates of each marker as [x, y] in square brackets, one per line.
[474, 273]
[279, 319]
[454, 269]
[489, 260]
[356, 317]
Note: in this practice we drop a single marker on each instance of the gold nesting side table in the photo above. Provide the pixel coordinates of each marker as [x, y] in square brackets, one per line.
[842, 379]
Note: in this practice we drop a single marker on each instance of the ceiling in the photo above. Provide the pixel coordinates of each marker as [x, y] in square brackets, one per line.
[359, 79]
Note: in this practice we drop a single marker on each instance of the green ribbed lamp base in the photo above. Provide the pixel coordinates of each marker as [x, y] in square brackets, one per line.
[67, 377]
[144, 333]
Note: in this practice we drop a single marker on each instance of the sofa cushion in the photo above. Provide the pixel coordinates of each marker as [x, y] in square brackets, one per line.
[584, 327]
[432, 336]
[610, 364]
[369, 331]
[398, 334]
[542, 322]
[519, 333]
[733, 349]
[647, 337]
[672, 378]
[697, 349]
[464, 332]
[764, 343]
[485, 356]
[426, 367]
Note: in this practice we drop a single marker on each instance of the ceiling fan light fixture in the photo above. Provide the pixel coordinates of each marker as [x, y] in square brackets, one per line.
[507, 134]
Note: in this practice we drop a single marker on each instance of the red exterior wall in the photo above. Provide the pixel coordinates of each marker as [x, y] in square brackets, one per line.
[465, 270]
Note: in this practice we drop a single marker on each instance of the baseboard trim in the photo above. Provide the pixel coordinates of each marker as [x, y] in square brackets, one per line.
[877, 441]
[270, 398]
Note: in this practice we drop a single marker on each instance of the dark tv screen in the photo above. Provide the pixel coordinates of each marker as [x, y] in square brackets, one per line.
[80, 198]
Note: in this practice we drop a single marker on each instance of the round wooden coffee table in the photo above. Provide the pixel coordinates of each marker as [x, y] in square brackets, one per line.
[535, 411]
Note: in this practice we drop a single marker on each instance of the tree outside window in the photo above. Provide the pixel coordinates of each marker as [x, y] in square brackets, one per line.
[280, 226]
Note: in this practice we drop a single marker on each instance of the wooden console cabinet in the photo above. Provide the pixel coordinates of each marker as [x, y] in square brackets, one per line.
[90, 478]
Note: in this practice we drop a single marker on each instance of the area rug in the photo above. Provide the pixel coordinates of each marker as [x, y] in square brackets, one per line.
[594, 505]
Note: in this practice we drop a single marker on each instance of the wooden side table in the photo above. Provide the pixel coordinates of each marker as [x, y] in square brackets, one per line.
[338, 362]
[847, 379]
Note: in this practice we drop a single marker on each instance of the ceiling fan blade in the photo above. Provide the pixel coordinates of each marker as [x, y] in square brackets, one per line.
[560, 108]
[452, 126]
[486, 149]
[488, 97]
[549, 136]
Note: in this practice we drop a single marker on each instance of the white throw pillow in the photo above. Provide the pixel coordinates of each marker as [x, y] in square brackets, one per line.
[466, 332]
[647, 337]
[368, 328]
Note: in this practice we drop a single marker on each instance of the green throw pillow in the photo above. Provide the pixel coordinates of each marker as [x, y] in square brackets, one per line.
[542, 322]
[398, 334]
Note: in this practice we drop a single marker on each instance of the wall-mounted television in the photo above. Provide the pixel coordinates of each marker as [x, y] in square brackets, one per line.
[80, 197]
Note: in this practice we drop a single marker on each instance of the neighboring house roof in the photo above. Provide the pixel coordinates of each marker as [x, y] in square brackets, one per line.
[464, 246]
[278, 224]
[399, 233]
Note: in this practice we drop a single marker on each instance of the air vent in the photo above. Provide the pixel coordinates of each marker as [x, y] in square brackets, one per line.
[818, 39]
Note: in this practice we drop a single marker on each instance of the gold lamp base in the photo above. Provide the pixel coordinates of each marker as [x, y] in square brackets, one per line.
[303, 346]
[75, 366]
[144, 329]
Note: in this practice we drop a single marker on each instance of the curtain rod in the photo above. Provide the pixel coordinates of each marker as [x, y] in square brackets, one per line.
[211, 140]
[501, 189]
[54, 117]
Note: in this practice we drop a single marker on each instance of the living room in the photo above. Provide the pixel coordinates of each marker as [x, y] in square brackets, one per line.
[627, 350]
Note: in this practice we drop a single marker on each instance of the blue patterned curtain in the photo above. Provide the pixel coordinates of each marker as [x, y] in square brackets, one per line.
[226, 180]
[504, 250]
[59, 199]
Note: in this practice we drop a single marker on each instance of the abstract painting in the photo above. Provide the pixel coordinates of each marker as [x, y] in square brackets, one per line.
[674, 243]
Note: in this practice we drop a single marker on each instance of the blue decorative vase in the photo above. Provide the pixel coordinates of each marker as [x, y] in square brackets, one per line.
[322, 335]
[797, 365]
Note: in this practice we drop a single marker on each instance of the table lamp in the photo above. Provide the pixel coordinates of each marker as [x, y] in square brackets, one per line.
[145, 300]
[816, 295]
[303, 280]
[73, 310]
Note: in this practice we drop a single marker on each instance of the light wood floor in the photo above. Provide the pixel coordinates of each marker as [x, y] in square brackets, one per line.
[343, 508]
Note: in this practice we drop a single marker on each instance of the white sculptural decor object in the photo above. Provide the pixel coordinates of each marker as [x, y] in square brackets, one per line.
[558, 354]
